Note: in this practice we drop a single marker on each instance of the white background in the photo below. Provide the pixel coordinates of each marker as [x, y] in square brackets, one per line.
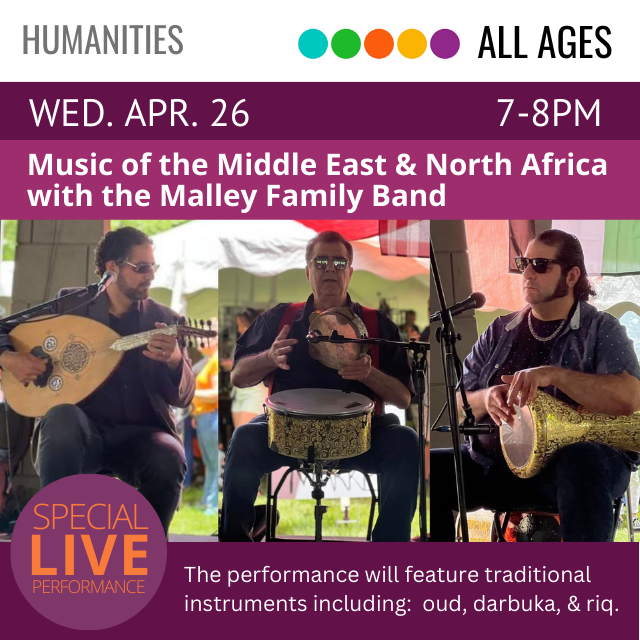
[256, 40]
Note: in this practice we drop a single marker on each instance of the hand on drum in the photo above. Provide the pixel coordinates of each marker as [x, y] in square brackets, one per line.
[358, 370]
[525, 384]
[280, 347]
[495, 402]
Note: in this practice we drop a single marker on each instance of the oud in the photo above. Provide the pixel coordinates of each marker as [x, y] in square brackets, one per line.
[80, 355]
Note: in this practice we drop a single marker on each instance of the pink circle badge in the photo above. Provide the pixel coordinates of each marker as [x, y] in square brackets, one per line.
[88, 552]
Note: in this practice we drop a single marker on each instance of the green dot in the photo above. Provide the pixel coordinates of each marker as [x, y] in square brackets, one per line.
[346, 43]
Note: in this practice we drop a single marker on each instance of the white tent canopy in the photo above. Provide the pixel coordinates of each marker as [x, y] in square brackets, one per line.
[270, 247]
[6, 278]
[188, 255]
[191, 254]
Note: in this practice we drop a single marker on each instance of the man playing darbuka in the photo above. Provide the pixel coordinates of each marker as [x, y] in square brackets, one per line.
[266, 349]
[563, 345]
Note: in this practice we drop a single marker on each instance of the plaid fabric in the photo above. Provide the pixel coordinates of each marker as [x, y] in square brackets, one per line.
[406, 238]
[350, 229]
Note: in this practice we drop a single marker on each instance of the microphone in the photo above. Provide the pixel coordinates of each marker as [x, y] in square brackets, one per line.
[478, 429]
[335, 338]
[474, 301]
[108, 279]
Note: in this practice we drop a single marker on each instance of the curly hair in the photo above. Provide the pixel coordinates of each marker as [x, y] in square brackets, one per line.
[117, 245]
[569, 254]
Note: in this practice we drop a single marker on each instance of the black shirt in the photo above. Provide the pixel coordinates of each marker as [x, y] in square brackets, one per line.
[527, 352]
[122, 399]
[305, 371]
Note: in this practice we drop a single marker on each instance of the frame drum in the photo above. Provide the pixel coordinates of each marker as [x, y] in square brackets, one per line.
[348, 325]
[335, 423]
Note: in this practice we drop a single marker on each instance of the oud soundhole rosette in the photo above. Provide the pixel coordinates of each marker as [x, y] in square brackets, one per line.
[55, 383]
[50, 344]
[75, 357]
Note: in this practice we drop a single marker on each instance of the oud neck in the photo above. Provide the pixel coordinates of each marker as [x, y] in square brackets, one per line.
[136, 340]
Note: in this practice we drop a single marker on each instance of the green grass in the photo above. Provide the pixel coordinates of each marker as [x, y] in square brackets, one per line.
[622, 534]
[190, 519]
[296, 517]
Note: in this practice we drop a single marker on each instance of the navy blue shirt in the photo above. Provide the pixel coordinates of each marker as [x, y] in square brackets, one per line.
[305, 371]
[592, 342]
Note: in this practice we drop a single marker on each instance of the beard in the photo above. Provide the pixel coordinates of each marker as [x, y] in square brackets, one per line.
[134, 293]
[561, 290]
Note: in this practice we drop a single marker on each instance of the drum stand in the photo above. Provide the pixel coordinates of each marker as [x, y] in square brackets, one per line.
[419, 368]
[318, 478]
[318, 474]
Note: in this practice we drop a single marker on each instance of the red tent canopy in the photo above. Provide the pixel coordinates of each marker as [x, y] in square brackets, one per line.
[350, 229]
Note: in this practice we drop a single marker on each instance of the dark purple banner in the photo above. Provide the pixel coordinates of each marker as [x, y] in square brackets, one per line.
[318, 111]
[387, 590]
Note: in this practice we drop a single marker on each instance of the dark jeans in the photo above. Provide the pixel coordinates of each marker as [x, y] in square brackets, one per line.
[393, 455]
[580, 482]
[188, 436]
[148, 458]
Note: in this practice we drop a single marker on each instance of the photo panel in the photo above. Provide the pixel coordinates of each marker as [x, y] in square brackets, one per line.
[543, 342]
[303, 412]
[118, 374]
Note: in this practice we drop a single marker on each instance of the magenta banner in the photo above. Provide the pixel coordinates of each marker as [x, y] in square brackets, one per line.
[278, 179]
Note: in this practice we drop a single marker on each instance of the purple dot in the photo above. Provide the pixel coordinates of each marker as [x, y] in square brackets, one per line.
[445, 43]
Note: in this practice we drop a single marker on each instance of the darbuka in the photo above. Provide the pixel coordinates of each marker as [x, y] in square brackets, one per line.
[546, 425]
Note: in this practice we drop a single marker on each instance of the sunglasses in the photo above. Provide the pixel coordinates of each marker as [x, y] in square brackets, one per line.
[540, 265]
[322, 262]
[143, 268]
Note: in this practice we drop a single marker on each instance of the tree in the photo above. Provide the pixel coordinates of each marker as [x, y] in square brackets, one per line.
[9, 233]
[9, 237]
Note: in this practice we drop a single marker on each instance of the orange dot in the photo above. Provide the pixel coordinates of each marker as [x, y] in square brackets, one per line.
[378, 43]
[412, 43]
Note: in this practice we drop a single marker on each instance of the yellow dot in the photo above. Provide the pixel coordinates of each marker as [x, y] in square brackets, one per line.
[412, 43]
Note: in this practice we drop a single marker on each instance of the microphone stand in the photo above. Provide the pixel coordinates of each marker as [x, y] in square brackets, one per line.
[418, 369]
[447, 337]
[26, 314]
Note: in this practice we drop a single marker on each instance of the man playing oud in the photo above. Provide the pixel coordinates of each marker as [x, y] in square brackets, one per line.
[127, 426]
[563, 345]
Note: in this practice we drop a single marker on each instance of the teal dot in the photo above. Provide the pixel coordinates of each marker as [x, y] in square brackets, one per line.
[346, 43]
[313, 44]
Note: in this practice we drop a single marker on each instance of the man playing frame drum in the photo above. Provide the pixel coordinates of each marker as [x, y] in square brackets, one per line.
[561, 344]
[271, 350]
